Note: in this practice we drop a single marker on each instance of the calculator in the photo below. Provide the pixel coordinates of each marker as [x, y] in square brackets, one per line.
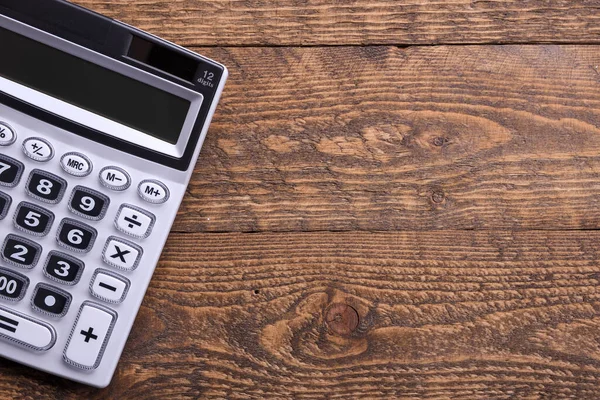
[101, 125]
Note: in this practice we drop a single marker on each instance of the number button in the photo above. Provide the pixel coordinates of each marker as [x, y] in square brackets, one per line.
[88, 203]
[7, 135]
[121, 254]
[108, 286]
[21, 252]
[33, 219]
[63, 268]
[12, 285]
[134, 221]
[50, 300]
[76, 236]
[38, 149]
[10, 171]
[45, 186]
[5, 202]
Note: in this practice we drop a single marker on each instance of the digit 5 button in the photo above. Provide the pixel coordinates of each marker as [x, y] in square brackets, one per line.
[33, 219]
[38, 149]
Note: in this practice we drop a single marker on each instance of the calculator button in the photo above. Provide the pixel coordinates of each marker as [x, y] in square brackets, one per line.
[10, 171]
[121, 253]
[21, 252]
[12, 285]
[5, 202]
[50, 300]
[26, 331]
[76, 164]
[89, 336]
[134, 221]
[7, 135]
[88, 203]
[108, 286]
[33, 219]
[115, 178]
[75, 235]
[45, 186]
[63, 268]
[38, 149]
[153, 191]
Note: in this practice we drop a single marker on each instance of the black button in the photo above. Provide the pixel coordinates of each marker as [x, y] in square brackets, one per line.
[50, 300]
[5, 201]
[76, 236]
[45, 186]
[88, 203]
[21, 252]
[10, 171]
[33, 219]
[12, 285]
[63, 268]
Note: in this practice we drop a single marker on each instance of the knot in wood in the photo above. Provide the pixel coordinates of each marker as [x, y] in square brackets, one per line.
[342, 319]
[437, 196]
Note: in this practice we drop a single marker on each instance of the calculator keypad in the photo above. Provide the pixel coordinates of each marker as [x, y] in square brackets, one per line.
[32, 219]
[134, 221]
[21, 252]
[50, 300]
[10, 171]
[45, 186]
[76, 236]
[5, 202]
[63, 268]
[88, 203]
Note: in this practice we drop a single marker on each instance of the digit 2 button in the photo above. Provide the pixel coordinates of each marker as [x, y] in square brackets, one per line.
[50, 300]
[33, 219]
[45, 186]
[63, 268]
[76, 236]
[88, 203]
[21, 252]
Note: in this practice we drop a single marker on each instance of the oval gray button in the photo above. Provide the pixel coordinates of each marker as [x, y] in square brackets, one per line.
[115, 178]
[76, 164]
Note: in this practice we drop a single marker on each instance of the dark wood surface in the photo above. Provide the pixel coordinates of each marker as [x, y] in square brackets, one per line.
[377, 221]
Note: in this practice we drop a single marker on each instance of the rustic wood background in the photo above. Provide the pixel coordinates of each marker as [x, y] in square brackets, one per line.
[396, 199]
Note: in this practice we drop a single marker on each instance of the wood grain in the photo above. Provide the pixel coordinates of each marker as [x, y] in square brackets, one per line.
[475, 315]
[382, 138]
[359, 22]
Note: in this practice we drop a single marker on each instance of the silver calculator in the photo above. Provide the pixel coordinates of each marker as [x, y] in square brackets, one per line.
[101, 125]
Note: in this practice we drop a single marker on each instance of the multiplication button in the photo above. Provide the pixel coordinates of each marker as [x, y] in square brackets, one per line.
[122, 254]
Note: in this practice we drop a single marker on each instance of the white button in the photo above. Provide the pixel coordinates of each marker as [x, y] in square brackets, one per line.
[89, 336]
[38, 149]
[153, 191]
[7, 135]
[121, 254]
[134, 221]
[108, 286]
[115, 178]
[76, 164]
[26, 331]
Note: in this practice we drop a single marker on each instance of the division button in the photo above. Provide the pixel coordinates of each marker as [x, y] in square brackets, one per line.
[153, 191]
[89, 336]
[115, 178]
[38, 149]
[108, 286]
[134, 221]
[26, 331]
[76, 164]
[50, 300]
[12, 285]
[7, 135]
[5, 202]
[122, 254]
[10, 171]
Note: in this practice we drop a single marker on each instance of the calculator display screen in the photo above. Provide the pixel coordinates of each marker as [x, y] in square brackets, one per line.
[94, 88]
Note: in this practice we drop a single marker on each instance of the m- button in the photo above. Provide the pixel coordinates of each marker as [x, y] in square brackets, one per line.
[115, 178]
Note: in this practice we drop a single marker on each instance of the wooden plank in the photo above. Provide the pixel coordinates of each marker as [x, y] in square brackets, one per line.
[382, 138]
[360, 22]
[479, 315]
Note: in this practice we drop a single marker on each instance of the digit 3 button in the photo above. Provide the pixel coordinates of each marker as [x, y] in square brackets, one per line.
[63, 268]
[45, 186]
[50, 300]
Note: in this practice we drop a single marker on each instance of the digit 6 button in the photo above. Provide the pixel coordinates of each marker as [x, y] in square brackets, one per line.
[76, 236]
[45, 186]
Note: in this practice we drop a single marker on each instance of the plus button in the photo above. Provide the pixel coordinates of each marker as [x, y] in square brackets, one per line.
[89, 334]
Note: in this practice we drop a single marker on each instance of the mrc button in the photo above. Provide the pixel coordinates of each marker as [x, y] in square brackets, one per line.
[76, 164]
[115, 178]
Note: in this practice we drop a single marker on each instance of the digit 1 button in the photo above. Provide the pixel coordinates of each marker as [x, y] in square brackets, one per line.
[5, 202]
[108, 286]
[76, 164]
[115, 178]
[38, 149]
[88, 203]
[76, 236]
[33, 219]
[63, 268]
[10, 171]
[20, 252]
[153, 191]
[121, 254]
[134, 221]
[45, 186]
[89, 336]
[7, 135]
[12, 285]
[50, 300]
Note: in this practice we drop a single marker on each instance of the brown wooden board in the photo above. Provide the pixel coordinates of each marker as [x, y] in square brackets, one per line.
[359, 22]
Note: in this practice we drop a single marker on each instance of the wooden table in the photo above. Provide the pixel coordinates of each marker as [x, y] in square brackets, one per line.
[395, 199]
